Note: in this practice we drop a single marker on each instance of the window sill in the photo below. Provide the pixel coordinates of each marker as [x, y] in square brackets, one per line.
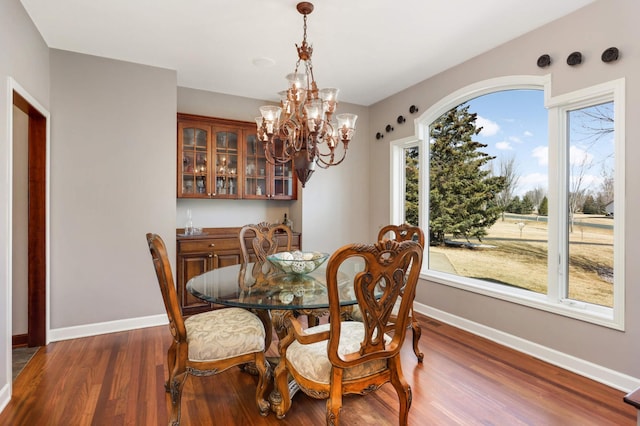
[572, 309]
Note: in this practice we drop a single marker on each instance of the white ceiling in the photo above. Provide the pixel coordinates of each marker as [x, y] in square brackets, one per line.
[370, 49]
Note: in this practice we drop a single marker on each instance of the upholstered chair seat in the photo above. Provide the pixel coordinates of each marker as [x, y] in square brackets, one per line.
[312, 362]
[224, 333]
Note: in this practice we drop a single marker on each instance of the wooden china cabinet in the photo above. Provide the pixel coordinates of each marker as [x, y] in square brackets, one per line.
[214, 248]
[220, 158]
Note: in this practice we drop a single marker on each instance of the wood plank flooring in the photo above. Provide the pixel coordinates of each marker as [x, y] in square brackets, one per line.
[118, 379]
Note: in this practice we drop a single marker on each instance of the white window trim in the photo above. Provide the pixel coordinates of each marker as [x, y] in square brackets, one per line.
[557, 105]
[397, 167]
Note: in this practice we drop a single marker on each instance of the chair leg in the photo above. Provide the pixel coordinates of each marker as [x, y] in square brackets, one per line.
[264, 374]
[172, 354]
[333, 411]
[417, 332]
[402, 389]
[174, 397]
[334, 403]
[280, 398]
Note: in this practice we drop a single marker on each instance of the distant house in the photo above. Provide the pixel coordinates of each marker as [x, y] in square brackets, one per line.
[609, 209]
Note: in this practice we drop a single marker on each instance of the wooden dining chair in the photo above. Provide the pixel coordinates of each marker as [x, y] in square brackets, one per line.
[352, 357]
[406, 232]
[208, 343]
[263, 243]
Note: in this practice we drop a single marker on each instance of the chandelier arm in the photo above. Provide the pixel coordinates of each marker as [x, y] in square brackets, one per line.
[320, 159]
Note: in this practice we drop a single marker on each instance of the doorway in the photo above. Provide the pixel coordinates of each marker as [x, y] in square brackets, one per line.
[36, 223]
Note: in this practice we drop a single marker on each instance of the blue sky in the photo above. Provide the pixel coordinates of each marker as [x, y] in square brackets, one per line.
[515, 125]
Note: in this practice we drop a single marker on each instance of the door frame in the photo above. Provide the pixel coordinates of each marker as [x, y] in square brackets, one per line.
[39, 213]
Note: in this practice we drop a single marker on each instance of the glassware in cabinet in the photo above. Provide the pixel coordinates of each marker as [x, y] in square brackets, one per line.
[283, 181]
[226, 163]
[256, 168]
[193, 171]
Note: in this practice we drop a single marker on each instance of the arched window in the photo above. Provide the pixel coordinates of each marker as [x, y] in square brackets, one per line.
[515, 190]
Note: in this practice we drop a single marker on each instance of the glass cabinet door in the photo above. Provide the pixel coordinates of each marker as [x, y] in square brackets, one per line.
[256, 181]
[226, 163]
[282, 181]
[224, 159]
[194, 177]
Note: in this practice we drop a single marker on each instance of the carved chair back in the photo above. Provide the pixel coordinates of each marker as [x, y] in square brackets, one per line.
[263, 243]
[265, 240]
[390, 267]
[402, 232]
[406, 232]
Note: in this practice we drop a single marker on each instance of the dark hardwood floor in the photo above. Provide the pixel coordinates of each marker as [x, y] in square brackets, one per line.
[118, 379]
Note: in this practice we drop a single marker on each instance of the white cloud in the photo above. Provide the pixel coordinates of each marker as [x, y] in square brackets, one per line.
[515, 139]
[542, 154]
[532, 181]
[528, 133]
[586, 181]
[489, 128]
[504, 146]
[579, 156]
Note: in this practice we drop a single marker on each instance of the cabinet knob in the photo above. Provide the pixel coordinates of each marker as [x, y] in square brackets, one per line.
[210, 255]
[212, 245]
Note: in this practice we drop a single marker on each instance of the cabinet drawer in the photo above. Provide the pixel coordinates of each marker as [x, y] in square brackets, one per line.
[196, 246]
[208, 244]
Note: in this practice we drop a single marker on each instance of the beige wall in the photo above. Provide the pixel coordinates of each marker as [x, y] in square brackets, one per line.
[113, 158]
[590, 30]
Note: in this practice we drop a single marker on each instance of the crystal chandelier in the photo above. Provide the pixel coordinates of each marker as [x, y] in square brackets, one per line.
[301, 128]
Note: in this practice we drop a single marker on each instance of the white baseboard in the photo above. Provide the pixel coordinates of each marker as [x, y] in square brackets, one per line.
[579, 366]
[79, 331]
[5, 395]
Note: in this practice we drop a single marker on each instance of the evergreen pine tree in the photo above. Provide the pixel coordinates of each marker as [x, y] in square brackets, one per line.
[527, 205]
[411, 190]
[462, 190]
[543, 209]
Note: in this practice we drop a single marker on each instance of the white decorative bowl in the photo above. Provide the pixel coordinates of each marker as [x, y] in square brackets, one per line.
[298, 262]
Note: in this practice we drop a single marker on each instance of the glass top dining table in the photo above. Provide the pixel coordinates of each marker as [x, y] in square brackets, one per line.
[263, 287]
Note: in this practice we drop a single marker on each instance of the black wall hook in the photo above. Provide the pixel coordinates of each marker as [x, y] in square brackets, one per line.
[574, 59]
[413, 109]
[389, 128]
[401, 119]
[379, 135]
[544, 61]
[610, 55]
